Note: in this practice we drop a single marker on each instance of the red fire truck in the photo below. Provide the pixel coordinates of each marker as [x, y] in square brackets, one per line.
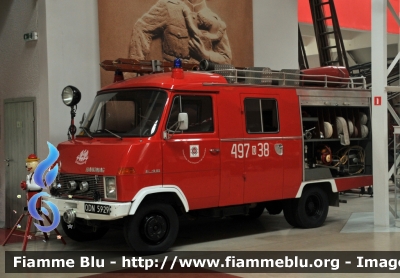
[223, 143]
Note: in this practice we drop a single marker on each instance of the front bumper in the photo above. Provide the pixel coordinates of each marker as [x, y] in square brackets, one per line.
[118, 210]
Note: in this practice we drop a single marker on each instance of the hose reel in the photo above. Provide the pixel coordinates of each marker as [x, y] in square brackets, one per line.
[347, 160]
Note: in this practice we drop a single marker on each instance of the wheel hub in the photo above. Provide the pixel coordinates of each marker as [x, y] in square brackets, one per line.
[155, 227]
[312, 206]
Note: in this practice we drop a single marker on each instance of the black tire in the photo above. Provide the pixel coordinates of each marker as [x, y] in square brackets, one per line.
[312, 208]
[153, 228]
[289, 209]
[80, 232]
[274, 207]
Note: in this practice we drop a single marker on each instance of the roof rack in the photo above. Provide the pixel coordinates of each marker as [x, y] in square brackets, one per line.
[290, 77]
[330, 76]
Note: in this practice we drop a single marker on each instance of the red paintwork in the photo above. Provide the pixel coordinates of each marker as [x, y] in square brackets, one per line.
[212, 179]
[332, 74]
[112, 154]
[293, 167]
[353, 182]
[191, 80]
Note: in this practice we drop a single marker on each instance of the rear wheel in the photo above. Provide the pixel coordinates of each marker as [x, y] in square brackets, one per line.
[289, 210]
[153, 228]
[81, 232]
[312, 208]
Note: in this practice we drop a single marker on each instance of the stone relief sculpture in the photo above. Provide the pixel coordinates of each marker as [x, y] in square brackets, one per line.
[188, 30]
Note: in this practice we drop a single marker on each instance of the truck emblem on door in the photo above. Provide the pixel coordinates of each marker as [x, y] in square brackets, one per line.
[82, 157]
[194, 150]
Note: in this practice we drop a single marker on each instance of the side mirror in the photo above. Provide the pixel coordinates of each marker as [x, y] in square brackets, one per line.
[181, 124]
[183, 121]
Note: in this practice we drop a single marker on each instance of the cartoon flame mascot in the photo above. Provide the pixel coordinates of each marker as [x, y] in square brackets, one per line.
[29, 185]
[34, 210]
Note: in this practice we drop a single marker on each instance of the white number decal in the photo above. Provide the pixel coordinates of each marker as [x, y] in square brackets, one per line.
[233, 151]
[263, 149]
[242, 150]
[266, 149]
[260, 150]
[247, 146]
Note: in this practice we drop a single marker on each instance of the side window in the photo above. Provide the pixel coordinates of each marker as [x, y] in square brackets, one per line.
[261, 115]
[199, 110]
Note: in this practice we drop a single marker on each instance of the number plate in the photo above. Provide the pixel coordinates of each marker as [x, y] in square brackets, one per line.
[96, 208]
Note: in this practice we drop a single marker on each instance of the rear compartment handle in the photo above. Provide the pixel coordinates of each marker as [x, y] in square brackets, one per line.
[214, 151]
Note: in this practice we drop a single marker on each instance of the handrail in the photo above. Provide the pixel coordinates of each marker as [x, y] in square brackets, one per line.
[286, 78]
[263, 76]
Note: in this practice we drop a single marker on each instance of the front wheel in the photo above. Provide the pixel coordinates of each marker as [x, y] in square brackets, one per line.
[153, 228]
[312, 208]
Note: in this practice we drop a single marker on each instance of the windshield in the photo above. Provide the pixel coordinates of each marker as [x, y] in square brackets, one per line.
[125, 113]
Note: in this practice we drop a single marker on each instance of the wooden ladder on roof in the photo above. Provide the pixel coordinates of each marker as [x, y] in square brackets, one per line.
[323, 12]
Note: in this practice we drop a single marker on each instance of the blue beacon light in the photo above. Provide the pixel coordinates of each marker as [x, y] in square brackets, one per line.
[177, 63]
[177, 71]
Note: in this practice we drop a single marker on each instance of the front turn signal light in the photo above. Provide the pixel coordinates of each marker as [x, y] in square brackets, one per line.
[126, 171]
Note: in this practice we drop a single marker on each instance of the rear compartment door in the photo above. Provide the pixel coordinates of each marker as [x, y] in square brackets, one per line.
[262, 149]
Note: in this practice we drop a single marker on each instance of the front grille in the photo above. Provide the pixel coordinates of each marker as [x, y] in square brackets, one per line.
[96, 188]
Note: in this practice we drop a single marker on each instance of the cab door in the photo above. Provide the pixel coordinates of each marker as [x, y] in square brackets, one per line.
[262, 148]
[191, 158]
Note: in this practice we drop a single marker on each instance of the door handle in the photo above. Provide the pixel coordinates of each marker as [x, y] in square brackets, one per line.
[279, 149]
[214, 151]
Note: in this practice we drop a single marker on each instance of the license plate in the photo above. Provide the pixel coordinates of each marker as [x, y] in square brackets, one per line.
[96, 208]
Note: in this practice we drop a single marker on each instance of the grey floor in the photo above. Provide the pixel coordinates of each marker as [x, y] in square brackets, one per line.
[347, 228]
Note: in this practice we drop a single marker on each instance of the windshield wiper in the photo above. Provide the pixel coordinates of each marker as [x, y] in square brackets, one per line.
[86, 131]
[113, 134]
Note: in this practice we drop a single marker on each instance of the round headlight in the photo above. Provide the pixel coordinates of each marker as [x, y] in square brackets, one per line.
[84, 186]
[71, 96]
[71, 185]
[69, 216]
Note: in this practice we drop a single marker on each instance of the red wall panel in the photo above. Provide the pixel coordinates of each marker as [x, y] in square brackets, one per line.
[354, 14]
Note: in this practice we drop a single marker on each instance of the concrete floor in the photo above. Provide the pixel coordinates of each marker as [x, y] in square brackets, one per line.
[347, 228]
